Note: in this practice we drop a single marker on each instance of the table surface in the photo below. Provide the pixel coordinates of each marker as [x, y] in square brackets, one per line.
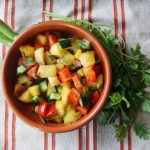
[132, 20]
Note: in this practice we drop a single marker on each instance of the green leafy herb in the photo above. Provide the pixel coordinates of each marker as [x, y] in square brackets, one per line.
[131, 75]
[51, 57]
[85, 44]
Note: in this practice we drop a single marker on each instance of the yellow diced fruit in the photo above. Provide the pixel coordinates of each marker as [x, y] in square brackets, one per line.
[39, 56]
[87, 59]
[99, 82]
[59, 66]
[57, 51]
[26, 97]
[50, 89]
[27, 50]
[65, 93]
[68, 59]
[46, 71]
[74, 43]
[34, 90]
[49, 60]
[78, 53]
[86, 70]
[71, 115]
[28, 83]
[23, 79]
[60, 107]
[53, 81]
[42, 39]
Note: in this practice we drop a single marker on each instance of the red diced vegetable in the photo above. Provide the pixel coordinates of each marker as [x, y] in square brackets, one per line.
[52, 39]
[42, 109]
[74, 97]
[46, 48]
[98, 69]
[77, 83]
[95, 97]
[51, 111]
[32, 72]
[37, 46]
[91, 76]
[82, 110]
[65, 75]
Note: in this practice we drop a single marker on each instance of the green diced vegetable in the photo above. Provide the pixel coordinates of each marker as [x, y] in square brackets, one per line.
[65, 43]
[55, 96]
[59, 88]
[21, 70]
[36, 100]
[74, 68]
[50, 89]
[80, 72]
[30, 61]
[85, 44]
[84, 99]
[43, 86]
[40, 80]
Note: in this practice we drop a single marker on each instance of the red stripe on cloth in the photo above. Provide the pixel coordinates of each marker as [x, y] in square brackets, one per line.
[13, 115]
[45, 141]
[115, 18]
[87, 137]
[123, 19]
[80, 138]
[53, 141]
[129, 139]
[82, 9]
[75, 8]
[94, 134]
[51, 8]
[13, 131]
[43, 9]
[6, 128]
[121, 142]
[90, 11]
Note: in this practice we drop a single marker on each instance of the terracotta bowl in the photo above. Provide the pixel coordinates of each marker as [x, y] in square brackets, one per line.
[25, 111]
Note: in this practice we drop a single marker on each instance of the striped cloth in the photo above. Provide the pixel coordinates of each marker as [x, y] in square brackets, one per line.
[131, 18]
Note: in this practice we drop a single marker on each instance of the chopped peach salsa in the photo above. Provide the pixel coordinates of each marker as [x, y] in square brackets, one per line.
[62, 77]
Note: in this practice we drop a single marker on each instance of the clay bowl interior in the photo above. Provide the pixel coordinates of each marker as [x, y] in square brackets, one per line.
[25, 111]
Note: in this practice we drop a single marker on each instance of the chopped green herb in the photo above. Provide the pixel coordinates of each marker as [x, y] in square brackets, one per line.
[30, 61]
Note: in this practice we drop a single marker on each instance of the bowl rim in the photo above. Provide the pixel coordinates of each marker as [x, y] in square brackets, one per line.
[96, 108]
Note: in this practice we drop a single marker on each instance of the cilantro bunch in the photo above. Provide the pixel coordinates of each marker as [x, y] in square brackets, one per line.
[131, 75]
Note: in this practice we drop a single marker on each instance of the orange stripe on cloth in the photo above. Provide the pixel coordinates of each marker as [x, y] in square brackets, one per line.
[13, 115]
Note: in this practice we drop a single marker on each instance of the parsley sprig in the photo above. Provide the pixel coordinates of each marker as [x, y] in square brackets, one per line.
[131, 75]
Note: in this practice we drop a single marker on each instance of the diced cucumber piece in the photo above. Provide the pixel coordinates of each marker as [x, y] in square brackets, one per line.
[21, 70]
[55, 96]
[50, 89]
[74, 68]
[43, 86]
[80, 72]
[40, 80]
[36, 100]
[84, 99]
[65, 43]
[59, 88]
[85, 44]
[30, 61]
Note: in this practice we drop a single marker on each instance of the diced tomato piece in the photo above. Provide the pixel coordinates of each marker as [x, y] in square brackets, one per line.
[91, 76]
[52, 39]
[32, 72]
[98, 69]
[51, 111]
[74, 96]
[95, 97]
[82, 110]
[77, 83]
[65, 74]
[37, 46]
[42, 109]
[46, 48]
